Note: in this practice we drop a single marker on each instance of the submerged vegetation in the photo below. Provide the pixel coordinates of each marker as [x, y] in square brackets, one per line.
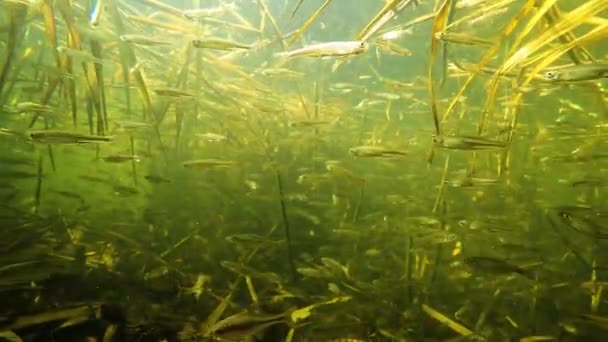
[303, 170]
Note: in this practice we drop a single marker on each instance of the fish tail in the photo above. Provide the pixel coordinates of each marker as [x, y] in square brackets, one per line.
[281, 55]
[281, 58]
[337, 64]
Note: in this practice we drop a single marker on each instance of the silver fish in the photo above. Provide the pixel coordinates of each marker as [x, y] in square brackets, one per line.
[156, 179]
[308, 123]
[219, 44]
[467, 143]
[96, 13]
[375, 151]
[132, 125]
[245, 324]
[200, 13]
[32, 107]
[171, 92]
[212, 137]
[207, 163]
[252, 240]
[65, 137]
[120, 158]
[328, 49]
[576, 73]
[496, 266]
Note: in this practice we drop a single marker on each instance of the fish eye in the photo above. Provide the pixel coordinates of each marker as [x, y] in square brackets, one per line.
[362, 45]
[551, 75]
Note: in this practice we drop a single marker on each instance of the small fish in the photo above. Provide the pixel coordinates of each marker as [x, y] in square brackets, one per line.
[468, 143]
[251, 184]
[170, 92]
[572, 105]
[582, 224]
[120, 158]
[595, 182]
[341, 91]
[308, 123]
[201, 13]
[373, 252]
[207, 163]
[435, 237]
[20, 2]
[344, 86]
[328, 49]
[495, 265]
[252, 240]
[246, 324]
[219, 44]
[471, 182]
[124, 190]
[388, 96]
[337, 269]
[366, 103]
[23, 107]
[96, 13]
[311, 272]
[142, 40]
[65, 137]
[280, 72]
[212, 137]
[313, 179]
[392, 47]
[199, 287]
[461, 38]
[375, 151]
[132, 125]
[576, 73]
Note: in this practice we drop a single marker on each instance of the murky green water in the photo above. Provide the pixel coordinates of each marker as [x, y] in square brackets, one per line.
[185, 171]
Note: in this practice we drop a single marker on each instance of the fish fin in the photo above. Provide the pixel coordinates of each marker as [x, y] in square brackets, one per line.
[337, 64]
